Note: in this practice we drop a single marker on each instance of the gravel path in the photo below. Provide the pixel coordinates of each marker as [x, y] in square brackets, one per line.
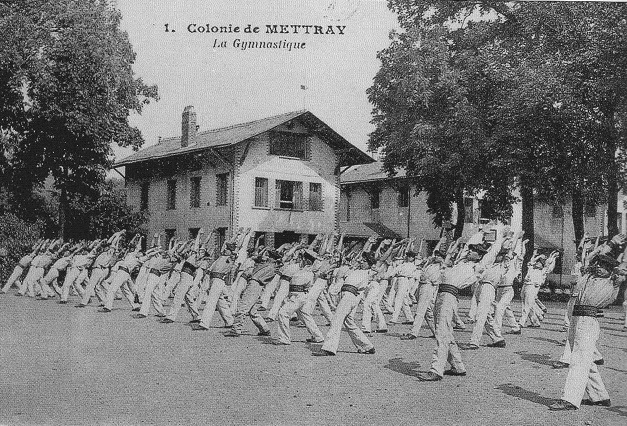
[62, 365]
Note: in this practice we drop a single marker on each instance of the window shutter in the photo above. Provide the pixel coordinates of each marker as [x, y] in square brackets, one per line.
[277, 195]
[261, 192]
[298, 195]
[315, 196]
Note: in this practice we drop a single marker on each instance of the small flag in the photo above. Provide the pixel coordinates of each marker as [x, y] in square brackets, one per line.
[303, 87]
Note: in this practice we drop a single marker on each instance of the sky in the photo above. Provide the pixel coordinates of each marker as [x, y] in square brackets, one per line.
[229, 85]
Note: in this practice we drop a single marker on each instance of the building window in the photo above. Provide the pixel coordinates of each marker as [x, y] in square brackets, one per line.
[315, 197]
[169, 234]
[288, 144]
[590, 210]
[403, 197]
[143, 199]
[222, 188]
[558, 212]
[221, 235]
[375, 199]
[348, 206]
[261, 192]
[171, 198]
[469, 211]
[193, 233]
[289, 195]
[194, 192]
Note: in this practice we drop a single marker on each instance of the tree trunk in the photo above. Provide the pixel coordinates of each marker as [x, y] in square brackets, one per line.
[526, 193]
[612, 172]
[577, 215]
[612, 200]
[63, 206]
[459, 201]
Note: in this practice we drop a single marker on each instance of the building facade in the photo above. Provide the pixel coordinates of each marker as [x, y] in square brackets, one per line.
[278, 176]
[373, 203]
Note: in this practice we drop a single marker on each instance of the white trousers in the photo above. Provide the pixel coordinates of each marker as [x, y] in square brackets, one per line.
[45, 282]
[152, 294]
[17, 272]
[184, 283]
[268, 291]
[503, 310]
[446, 349]
[279, 297]
[474, 301]
[372, 303]
[73, 279]
[583, 374]
[401, 300]
[122, 280]
[196, 295]
[484, 318]
[316, 296]
[217, 297]
[297, 302]
[529, 294]
[426, 301]
[345, 316]
[172, 283]
[248, 307]
[97, 276]
[31, 282]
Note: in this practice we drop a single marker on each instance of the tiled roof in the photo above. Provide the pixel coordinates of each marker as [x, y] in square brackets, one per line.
[368, 172]
[226, 136]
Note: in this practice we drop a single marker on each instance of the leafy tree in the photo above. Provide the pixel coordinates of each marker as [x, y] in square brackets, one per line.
[557, 75]
[16, 239]
[70, 89]
[430, 111]
[108, 212]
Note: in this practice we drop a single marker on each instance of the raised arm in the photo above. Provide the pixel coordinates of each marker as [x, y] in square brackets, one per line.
[550, 262]
[493, 251]
[385, 256]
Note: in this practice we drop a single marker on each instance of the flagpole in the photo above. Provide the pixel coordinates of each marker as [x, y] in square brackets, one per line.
[304, 89]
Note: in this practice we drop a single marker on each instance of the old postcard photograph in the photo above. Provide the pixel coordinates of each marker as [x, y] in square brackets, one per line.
[313, 212]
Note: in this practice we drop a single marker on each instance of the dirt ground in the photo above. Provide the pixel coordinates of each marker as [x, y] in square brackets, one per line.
[62, 365]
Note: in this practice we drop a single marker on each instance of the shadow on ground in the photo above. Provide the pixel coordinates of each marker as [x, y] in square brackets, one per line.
[518, 392]
[406, 368]
[543, 359]
[544, 339]
[621, 410]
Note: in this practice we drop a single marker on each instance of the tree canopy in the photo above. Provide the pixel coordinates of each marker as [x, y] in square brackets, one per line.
[67, 89]
[517, 95]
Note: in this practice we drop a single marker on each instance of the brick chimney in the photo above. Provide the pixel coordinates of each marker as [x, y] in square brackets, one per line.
[188, 125]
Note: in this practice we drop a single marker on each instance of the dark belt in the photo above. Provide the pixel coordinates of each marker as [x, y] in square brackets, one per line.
[220, 275]
[585, 311]
[447, 288]
[350, 289]
[188, 268]
[297, 288]
[286, 278]
[155, 272]
[122, 268]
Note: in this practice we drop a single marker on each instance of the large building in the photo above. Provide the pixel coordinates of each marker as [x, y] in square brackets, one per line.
[278, 176]
[371, 202]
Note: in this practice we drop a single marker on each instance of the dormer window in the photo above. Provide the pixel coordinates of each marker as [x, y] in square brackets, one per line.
[289, 144]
